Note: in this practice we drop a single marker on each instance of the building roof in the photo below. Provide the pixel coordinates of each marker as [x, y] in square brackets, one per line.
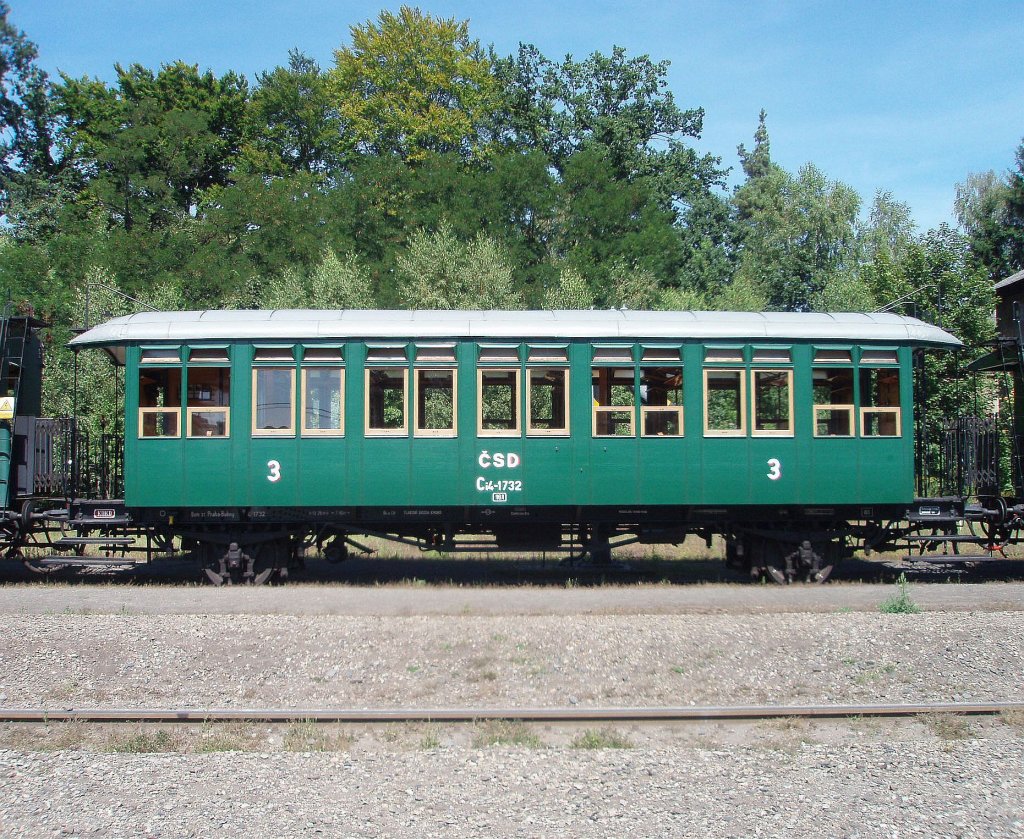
[1013, 279]
[611, 324]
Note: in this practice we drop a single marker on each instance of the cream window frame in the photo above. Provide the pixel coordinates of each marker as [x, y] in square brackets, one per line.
[324, 432]
[498, 432]
[665, 362]
[273, 432]
[771, 432]
[143, 412]
[847, 409]
[435, 432]
[598, 409]
[547, 432]
[741, 373]
[193, 412]
[865, 413]
[646, 410]
[386, 432]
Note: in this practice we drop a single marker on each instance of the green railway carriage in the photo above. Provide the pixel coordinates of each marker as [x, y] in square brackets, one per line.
[549, 429]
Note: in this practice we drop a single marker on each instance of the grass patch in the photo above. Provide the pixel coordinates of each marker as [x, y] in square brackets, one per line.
[605, 738]
[948, 726]
[505, 733]
[143, 742]
[228, 737]
[900, 603]
[306, 736]
[430, 740]
[1014, 719]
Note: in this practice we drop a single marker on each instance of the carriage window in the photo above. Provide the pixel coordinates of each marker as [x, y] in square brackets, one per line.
[725, 403]
[824, 355]
[833, 401]
[209, 392]
[726, 355]
[498, 409]
[547, 401]
[435, 403]
[614, 402]
[773, 403]
[273, 401]
[323, 391]
[771, 355]
[385, 401]
[160, 402]
[880, 401]
[661, 400]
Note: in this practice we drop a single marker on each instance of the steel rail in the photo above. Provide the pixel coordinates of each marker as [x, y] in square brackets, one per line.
[464, 715]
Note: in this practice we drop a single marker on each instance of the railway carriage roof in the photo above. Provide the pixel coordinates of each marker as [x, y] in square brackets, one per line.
[610, 324]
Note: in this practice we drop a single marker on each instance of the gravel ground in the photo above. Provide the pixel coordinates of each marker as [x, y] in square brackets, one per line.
[68, 660]
[933, 777]
[971, 789]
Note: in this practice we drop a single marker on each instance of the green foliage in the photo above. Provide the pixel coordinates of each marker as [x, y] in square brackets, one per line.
[990, 210]
[411, 84]
[900, 603]
[292, 123]
[601, 739]
[152, 143]
[438, 271]
[570, 292]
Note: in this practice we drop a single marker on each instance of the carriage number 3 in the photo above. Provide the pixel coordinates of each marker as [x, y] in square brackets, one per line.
[774, 469]
[274, 473]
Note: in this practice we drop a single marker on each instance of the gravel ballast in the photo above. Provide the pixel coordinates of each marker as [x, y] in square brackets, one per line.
[926, 778]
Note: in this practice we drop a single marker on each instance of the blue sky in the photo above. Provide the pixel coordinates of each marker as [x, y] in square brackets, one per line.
[908, 97]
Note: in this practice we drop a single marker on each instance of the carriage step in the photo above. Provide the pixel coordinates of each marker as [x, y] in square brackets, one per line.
[952, 559]
[84, 541]
[58, 560]
[977, 540]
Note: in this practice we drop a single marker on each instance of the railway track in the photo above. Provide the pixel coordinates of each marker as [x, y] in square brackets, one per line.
[469, 715]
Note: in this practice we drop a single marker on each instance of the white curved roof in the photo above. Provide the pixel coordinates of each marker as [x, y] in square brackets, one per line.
[610, 324]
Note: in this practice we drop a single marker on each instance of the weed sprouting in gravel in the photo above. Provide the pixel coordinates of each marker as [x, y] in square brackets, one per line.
[605, 738]
[306, 736]
[900, 603]
[226, 737]
[430, 740]
[1014, 719]
[143, 742]
[505, 733]
[948, 726]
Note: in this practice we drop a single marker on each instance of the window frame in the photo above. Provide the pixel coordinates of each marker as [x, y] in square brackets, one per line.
[744, 386]
[436, 433]
[516, 400]
[566, 402]
[368, 431]
[289, 431]
[212, 363]
[849, 408]
[597, 409]
[153, 410]
[866, 411]
[771, 432]
[323, 432]
[679, 410]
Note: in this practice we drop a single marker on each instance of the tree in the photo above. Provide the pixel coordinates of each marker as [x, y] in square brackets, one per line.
[990, 210]
[570, 292]
[148, 147]
[797, 234]
[438, 271]
[411, 84]
[607, 219]
[293, 123]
